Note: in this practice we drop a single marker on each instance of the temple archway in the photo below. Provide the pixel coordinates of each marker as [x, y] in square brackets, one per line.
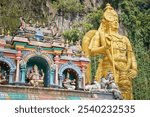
[7, 69]
[42, 65]
[43, 61]
[4, 72]
[75, 73]
[72, 75]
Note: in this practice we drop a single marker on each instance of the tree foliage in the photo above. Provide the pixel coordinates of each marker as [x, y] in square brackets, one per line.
[135, 17]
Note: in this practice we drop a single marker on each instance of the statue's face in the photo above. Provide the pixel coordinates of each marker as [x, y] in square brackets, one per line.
[115, 24]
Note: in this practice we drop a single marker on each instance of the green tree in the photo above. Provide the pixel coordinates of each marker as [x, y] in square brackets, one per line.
[135, 17]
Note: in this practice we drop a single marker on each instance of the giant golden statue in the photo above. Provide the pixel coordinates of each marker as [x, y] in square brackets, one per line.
[118, 56]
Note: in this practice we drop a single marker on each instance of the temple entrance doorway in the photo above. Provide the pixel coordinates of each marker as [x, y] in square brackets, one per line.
[39, 68]
[72, 75]
[4, 72]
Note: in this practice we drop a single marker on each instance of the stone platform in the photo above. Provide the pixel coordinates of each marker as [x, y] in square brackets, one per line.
[9, 92]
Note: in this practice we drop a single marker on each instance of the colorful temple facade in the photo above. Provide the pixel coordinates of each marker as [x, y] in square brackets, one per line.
[40, 53]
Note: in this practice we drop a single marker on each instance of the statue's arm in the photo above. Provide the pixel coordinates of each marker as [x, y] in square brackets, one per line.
[132, 64]
[133, 69]
[99, 44]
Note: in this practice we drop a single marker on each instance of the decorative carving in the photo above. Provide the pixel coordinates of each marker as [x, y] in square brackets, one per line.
[10, 62]
[11, 65]
[35, 77]
[39, 34]
[109, 85]
[71, 66]
[93, 87]
[69, 84]
[106, 85]
[23, 24]
[28, 55]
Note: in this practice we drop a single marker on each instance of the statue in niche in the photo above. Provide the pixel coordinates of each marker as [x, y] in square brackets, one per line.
[118, 56]
[23, 24]
[3, 76]
[69, 84]
[35, 76]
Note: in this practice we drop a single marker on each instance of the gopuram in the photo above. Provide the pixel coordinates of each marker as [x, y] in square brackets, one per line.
[38, 63]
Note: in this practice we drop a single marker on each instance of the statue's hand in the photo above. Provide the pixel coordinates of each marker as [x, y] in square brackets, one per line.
[132, 74]
[108, 39]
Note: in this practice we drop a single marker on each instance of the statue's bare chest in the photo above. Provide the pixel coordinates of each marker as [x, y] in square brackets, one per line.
[119, 44]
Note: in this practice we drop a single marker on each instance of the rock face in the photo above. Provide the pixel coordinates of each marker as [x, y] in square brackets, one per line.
[65, 12]
[65, 23]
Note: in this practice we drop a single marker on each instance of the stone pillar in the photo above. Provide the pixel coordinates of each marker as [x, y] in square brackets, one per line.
[18, 57]
[60, 81]
[23, 70]
[11, 76]
[56, 59]
[80, 83]
[83, 77]
[56, 75]
[51, 82]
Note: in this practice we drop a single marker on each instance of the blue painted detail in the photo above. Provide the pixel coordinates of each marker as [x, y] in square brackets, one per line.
[51, 77]
[73, 98]
[39, 34]
[18, 96]
[2, 96]
[23, 72]
[71, 66]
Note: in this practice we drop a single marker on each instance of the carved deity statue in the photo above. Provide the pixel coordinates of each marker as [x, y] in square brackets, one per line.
[35, 78]
[118, 56]
[69, 84]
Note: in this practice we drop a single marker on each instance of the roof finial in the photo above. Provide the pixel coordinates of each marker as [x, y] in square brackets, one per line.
[2, 32]
[8, 33]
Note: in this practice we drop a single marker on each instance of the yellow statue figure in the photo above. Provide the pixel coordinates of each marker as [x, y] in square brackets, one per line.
[118, 56]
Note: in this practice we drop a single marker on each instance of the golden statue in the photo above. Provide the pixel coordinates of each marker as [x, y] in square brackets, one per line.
[118, 56]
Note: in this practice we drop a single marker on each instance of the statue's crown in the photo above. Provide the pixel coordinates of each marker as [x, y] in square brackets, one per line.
[110, 14]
